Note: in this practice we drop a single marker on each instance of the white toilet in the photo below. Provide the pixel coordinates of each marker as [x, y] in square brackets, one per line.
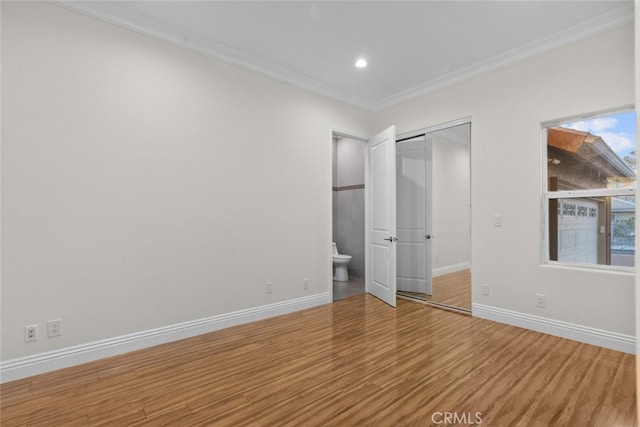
[340, 263]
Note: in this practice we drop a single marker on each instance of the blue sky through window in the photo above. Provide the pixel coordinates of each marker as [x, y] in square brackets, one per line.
[617, 130]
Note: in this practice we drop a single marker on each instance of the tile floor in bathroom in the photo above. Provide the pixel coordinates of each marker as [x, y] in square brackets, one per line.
[341, 290]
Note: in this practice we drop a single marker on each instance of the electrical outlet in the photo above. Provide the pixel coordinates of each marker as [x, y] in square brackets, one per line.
[306, 284]
[30, 333]
[485, 290]
[541, 300]
[269, 287]
[54, 328]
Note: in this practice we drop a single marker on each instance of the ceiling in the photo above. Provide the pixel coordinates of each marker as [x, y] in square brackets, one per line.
[412, 47]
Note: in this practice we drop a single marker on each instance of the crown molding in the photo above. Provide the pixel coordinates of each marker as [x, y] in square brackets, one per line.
[606, 22]
[120, 16]
[117, 14]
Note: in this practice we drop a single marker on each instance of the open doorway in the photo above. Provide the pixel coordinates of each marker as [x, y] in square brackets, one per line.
[348, 203]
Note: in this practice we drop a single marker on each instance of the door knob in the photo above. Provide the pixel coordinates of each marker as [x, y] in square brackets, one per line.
[428, 236]
[390, 239]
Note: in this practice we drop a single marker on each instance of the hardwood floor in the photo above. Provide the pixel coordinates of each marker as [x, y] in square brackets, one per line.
[452, 289]
[354, 362]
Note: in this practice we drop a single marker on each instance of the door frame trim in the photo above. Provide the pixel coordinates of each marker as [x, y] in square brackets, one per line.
[434, 128]
[336, 132]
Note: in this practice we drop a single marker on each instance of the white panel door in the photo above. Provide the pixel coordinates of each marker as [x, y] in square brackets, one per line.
[413, 169]
[380, 195]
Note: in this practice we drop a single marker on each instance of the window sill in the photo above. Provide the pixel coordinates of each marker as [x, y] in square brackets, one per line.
[607, 269]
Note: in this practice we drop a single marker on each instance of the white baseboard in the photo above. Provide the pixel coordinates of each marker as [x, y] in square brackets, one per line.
[23, 367]
[585, 334]
[440, 271]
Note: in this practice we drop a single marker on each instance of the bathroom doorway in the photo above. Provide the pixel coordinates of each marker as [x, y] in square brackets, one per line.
[348, 155]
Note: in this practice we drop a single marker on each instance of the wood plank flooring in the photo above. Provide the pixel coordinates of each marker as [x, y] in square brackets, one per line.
[452, 289]
[354, 362]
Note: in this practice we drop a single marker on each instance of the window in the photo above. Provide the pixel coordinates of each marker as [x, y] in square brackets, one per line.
[590, 191]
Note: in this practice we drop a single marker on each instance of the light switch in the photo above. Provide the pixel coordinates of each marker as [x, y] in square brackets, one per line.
[497, 220]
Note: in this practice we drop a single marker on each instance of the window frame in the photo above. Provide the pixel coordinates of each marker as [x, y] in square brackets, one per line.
[547, 195]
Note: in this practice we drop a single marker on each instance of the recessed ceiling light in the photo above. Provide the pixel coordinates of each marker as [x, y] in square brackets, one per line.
[361, 63]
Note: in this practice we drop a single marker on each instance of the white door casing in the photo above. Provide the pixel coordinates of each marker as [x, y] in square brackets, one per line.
[380, 221]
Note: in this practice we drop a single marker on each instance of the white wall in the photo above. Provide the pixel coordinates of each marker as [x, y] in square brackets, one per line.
[451, 213]
[507, 107]
[144, 185]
